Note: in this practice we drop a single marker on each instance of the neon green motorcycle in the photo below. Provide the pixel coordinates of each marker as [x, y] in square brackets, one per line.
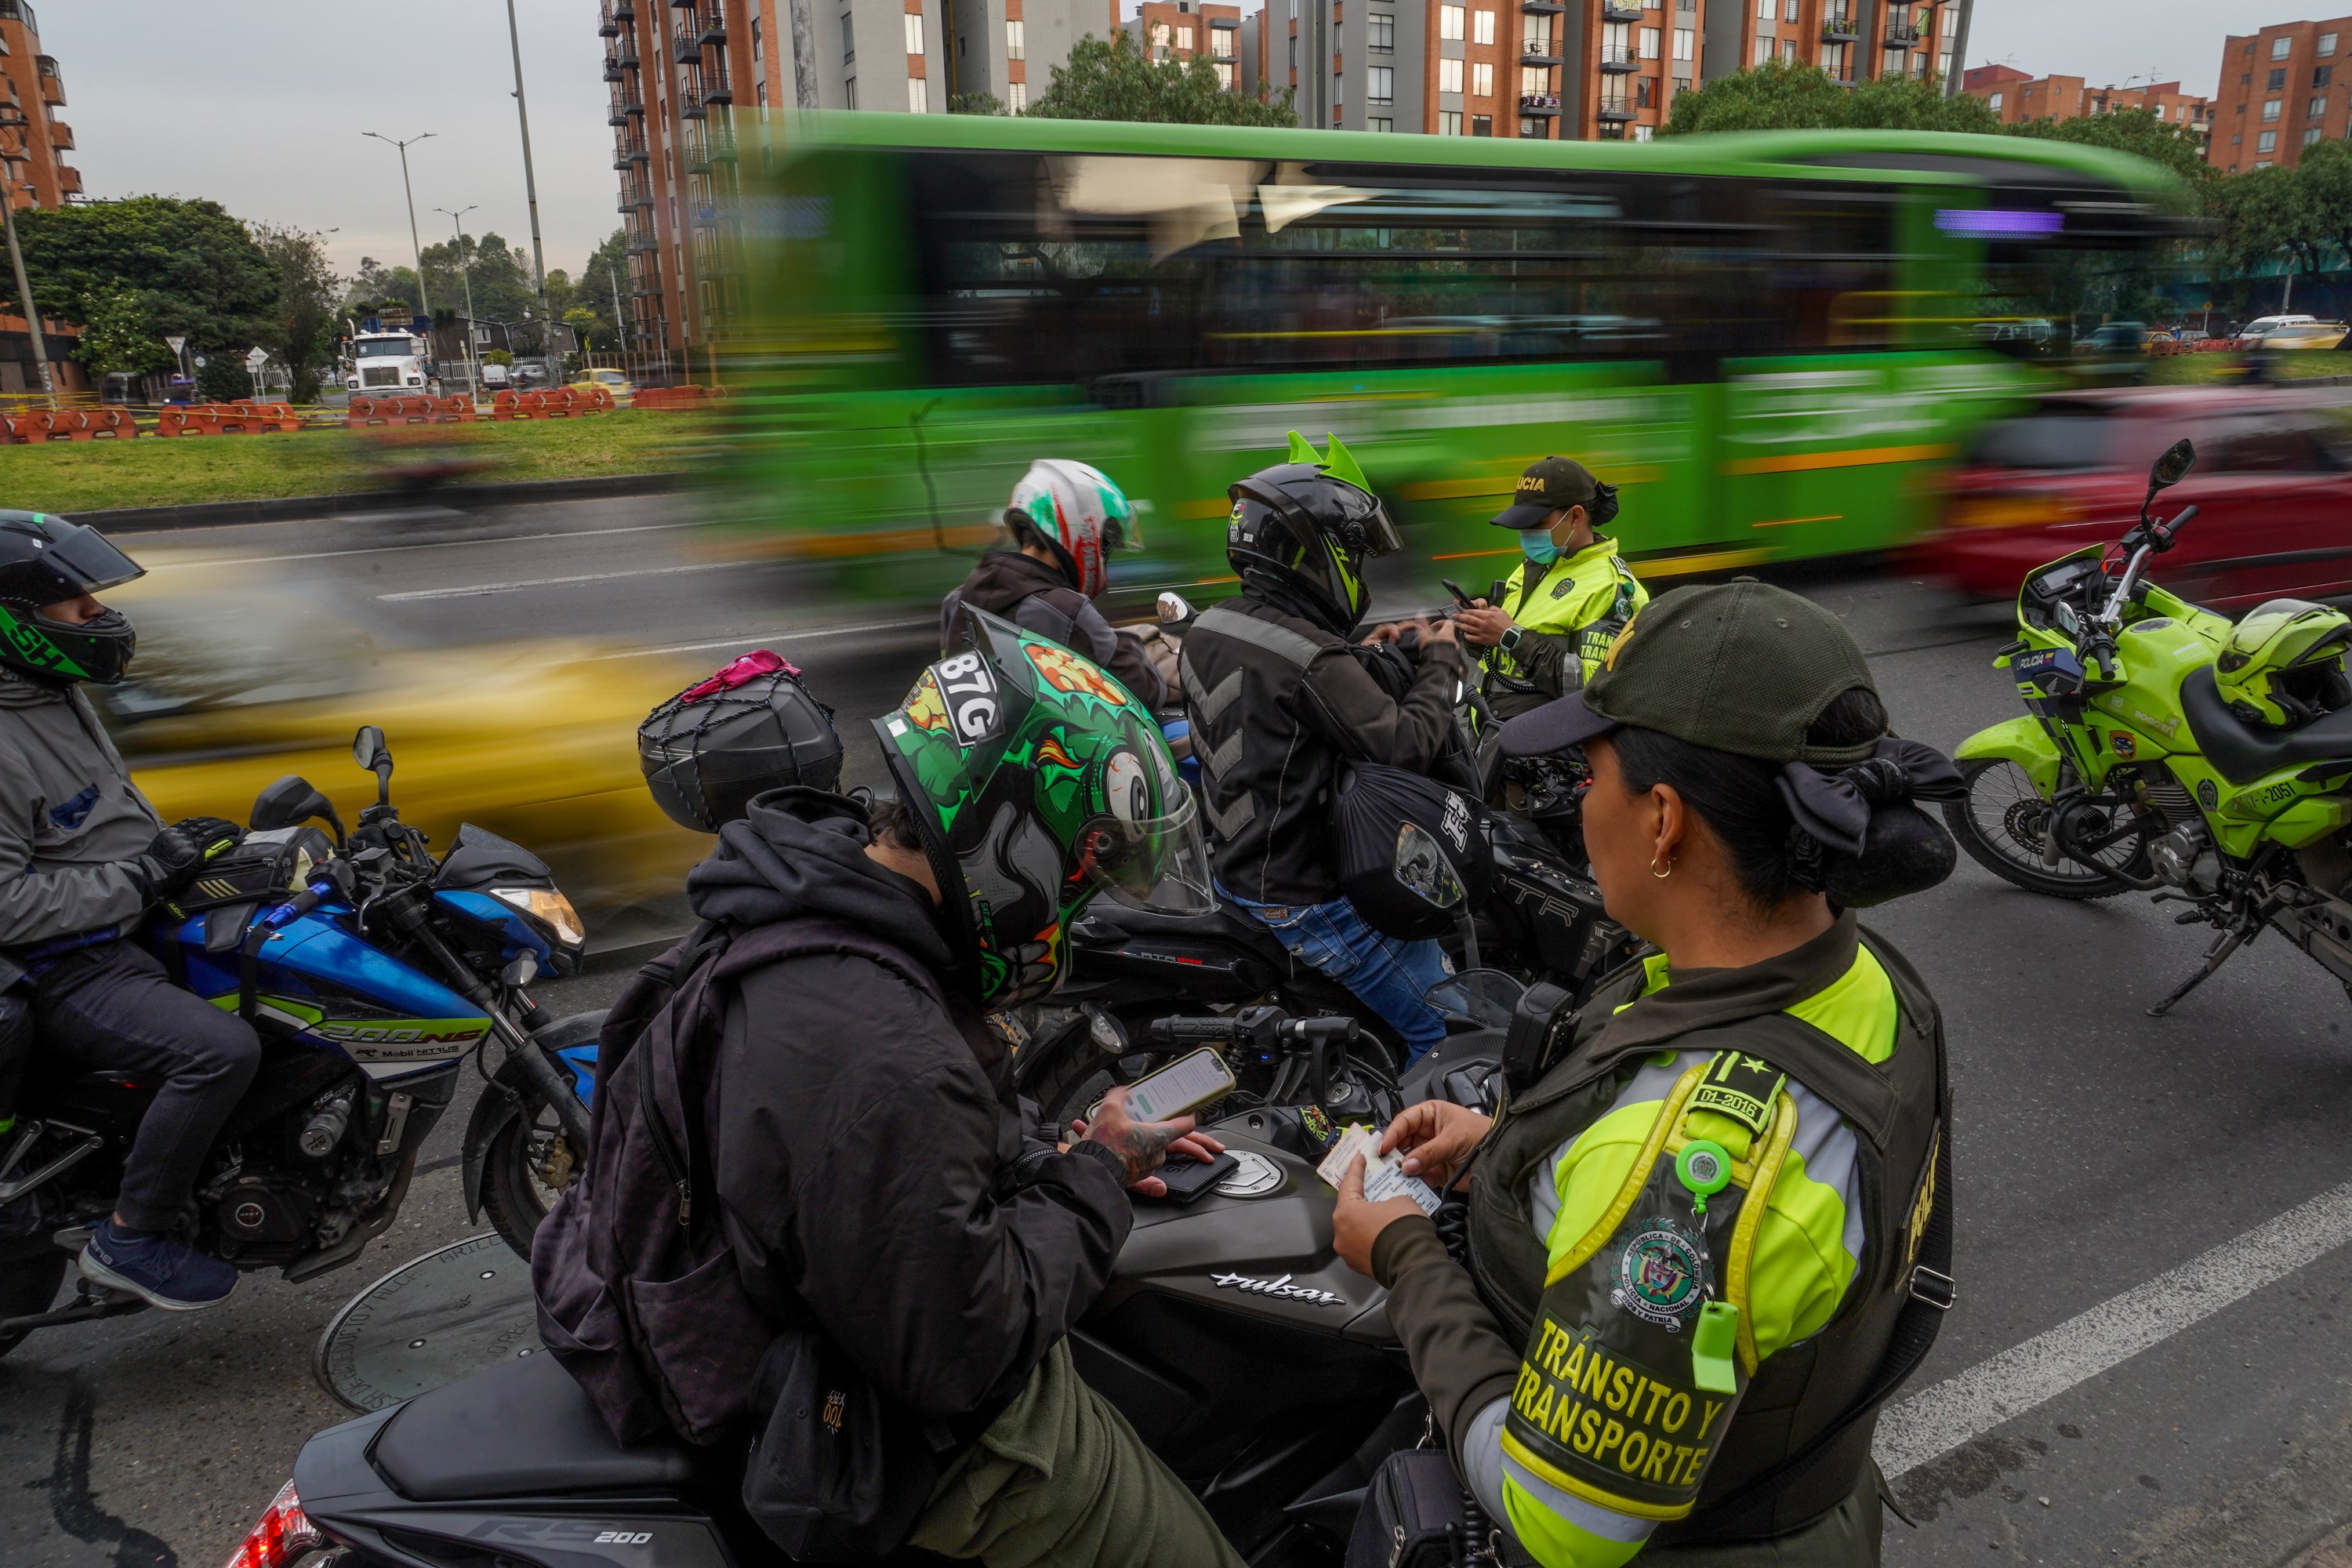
[2167, 749]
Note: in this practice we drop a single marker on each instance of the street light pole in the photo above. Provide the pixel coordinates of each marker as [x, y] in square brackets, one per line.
[1956, 69]
[620, 338]
[530, 182]
[24, 284]
[424, 302]
[465, 272]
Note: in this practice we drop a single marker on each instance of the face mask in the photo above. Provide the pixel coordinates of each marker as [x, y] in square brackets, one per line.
[1536, 544]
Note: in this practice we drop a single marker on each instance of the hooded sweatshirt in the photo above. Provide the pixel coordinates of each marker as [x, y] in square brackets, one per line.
[70, 818]
[871, 1161]
[1036, 596]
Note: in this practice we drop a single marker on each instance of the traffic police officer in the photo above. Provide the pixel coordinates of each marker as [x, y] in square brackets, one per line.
[1566, 600]
[1708, 1234]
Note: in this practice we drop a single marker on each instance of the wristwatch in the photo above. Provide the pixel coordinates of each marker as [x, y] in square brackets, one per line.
[1509, 641]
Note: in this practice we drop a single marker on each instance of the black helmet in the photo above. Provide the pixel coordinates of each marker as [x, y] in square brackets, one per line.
[749, 729]
[44, 561]
[1310, 524]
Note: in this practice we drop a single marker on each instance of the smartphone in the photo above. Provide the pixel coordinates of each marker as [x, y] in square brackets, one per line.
[1454, 588]
[1186, 1082]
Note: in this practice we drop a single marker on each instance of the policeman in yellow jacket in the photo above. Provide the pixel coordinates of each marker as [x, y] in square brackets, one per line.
[1567, 599]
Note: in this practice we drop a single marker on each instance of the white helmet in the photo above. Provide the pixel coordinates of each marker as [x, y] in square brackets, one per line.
[1081, 513]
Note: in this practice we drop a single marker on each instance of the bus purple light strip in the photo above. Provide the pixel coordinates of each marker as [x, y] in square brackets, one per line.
[1998, 223]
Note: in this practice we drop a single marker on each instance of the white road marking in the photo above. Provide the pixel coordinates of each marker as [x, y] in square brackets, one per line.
[790, 636]
[477, 590]
[420, 544]
[1966, 1407]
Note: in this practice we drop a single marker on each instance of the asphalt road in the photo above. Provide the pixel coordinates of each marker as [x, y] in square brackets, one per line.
[2146, 1364]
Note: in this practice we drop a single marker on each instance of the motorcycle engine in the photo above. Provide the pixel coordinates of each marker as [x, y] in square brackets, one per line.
[255, 1210]
[2184, 857]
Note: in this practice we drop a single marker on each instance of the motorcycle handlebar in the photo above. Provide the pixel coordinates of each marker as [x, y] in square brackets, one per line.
[1181, 1031]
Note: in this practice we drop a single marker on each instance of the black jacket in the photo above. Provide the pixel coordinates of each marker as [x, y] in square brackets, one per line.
[1279, 705]
[870, 1159]
[1036, 598]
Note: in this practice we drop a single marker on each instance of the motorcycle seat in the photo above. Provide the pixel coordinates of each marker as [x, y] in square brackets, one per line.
[521, 1430]
[2242, 753]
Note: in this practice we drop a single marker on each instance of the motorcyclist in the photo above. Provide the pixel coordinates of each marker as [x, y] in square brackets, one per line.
[1565, 600]
[1065, 519]
[83, 857]
[1699, 1381]
[873, 1171]
[1280, 704]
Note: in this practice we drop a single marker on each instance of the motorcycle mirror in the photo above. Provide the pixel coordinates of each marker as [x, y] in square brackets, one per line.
[1423, 870]
[289, 803]
[520, 972]
[1175, 609]
[370, 752]
[2173, 466]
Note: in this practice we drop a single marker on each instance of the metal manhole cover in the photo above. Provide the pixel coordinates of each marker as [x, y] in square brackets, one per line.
[432, 1321]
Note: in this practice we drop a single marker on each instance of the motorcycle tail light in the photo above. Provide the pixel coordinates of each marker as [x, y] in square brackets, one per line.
[282, 1536]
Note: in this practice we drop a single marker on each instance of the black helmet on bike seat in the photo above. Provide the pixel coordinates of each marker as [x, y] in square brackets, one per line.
[44, 561]
[749, 729]
[1309, 525]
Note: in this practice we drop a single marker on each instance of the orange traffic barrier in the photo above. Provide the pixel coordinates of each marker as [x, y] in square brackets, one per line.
[417, 409]
[562, 402]
[239, 418]
[73, 424]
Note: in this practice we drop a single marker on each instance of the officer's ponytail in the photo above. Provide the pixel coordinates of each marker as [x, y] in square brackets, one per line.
[1786, 830]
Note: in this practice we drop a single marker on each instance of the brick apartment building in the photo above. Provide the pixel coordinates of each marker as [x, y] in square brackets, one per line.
[1556, 70]
[2019, 95]
[33, 140]
[2282, 89]
[1184, 30]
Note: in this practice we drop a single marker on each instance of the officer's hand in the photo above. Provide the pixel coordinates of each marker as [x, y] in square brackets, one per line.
[1437, 1137]
[1483, 625]
[1139, 1145]
[180, 850]
[1357, 1224]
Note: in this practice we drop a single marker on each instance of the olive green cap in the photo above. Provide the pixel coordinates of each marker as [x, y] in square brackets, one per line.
[1740, 666]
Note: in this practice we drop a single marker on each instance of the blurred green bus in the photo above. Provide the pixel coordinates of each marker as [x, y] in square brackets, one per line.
[1773, 343]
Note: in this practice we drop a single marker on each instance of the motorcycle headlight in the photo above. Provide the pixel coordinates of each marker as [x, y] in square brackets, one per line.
[550, 910]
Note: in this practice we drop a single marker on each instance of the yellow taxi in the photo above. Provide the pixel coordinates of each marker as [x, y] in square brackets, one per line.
[616, 382]
[2305, 335]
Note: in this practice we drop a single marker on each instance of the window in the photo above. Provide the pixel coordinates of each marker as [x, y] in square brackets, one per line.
[914, 32]
[1646, 93]
[2327, 44]
[1159, 34]
[1339, 92]
[1184, 39]
[1449, 122]
[1016, 41]
[2282, 48]
[2322, 75]
[1951, 19]
[2277, 80]
[1643, 132]
[918, 100]
[848, 39]
[1482, 26]
[1226, 77]
[1616, 43]
[2315, 108]
[2159, 111]
[1995, 102]
[2311, 135]
[1763, 51]
[1681, 85]
[1531, 129]
[1380, 124]
[1449, 76]
[1534, 81]
[1649, 43]
[1685, 44]
[1449, 21]
[849, 93]
[1765, 10]
[1380, 84]
[1380, 34]
[2268, 142]
[1482, 125]
[1482, 81]
[1788, 48]
[2271, 110]
[1016, 95]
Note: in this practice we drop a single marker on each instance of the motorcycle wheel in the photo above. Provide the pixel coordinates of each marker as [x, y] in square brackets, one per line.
[2000, 822]
[527, 1166]
[29, 1286]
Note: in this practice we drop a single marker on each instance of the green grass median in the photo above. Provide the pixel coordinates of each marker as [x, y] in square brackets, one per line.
[99, 476]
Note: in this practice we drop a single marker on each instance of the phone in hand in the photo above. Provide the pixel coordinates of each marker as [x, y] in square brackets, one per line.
[1454, 588]
[1190, 1080]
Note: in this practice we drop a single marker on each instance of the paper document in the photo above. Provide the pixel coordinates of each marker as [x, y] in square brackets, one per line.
[1382, 1179]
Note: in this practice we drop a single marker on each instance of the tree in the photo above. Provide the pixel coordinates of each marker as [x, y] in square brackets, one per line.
[193, 269]
[2324, 178]
[1113, 80]
[307, 291]
[2133, 131]
[378, 289]
[607, 266]
[1783, 95]
[116, 334]
[975, 103]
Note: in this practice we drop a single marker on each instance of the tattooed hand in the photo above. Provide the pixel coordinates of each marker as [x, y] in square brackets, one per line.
[1139, 1145]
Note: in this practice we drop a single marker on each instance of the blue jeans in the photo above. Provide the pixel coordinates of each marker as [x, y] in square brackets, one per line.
[1386, 974]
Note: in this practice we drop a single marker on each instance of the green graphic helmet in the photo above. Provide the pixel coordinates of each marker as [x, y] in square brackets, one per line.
[1309, 525]
[47, 561]
[2284, 664]
[1036, 781]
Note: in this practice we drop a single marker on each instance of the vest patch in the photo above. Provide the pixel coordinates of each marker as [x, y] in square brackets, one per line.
[1740, 1087]
[1661, 1274]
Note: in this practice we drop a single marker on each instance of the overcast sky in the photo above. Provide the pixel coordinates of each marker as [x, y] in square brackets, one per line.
[259, 104]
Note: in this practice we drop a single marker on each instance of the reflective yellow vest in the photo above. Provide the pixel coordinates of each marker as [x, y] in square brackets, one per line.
[1577, 593]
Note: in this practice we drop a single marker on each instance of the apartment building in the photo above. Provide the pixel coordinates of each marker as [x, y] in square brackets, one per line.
[2017, 96]
[1573, 69]
[33, 140]
[1185, 30]
[2281, 90]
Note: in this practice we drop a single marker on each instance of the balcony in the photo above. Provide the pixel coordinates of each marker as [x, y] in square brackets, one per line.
[61, 136]
[623, 107]
[686, 44]
[1610, 10]
[53, 85]
[709, 144]
[634, 194]
[1619, 60]
[1839, 28]
[717, 87]
[623, 59]
[1902, 35]
[642, 245]
[1614, 110]
[1539, 103]
[1542, 7]
[629, 150]
[1537, 52]
[714, 25]
[611, 15]
[69, 179]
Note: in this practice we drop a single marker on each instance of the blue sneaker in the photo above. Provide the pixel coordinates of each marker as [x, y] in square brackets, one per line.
[161, 1270]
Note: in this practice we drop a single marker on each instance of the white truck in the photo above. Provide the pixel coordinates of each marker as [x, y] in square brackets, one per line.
[388, 362]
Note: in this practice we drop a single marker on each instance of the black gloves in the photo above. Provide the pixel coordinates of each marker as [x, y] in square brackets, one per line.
[180, 851]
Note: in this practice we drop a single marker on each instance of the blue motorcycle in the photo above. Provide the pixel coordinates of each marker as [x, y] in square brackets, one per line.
[372, 972]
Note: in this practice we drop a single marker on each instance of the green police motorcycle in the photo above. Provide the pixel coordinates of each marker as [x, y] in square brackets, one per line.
[2167, 748]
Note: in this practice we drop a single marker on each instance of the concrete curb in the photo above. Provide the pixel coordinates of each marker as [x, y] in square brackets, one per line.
[284, 509]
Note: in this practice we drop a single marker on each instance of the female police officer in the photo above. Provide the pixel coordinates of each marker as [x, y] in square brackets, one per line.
[1695, 1236]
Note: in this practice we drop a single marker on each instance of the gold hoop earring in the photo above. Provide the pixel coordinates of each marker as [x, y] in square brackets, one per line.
[1662, 876]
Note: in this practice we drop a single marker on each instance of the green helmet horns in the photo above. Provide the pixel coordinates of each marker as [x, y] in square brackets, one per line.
[1036, 781]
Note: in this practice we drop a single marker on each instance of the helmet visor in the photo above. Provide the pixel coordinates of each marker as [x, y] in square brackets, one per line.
[1160, 864]
[85, 557]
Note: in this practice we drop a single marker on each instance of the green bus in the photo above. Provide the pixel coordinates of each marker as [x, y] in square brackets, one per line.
[1774, 343]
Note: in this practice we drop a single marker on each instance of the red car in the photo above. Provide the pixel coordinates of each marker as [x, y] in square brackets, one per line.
[2272, 487]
